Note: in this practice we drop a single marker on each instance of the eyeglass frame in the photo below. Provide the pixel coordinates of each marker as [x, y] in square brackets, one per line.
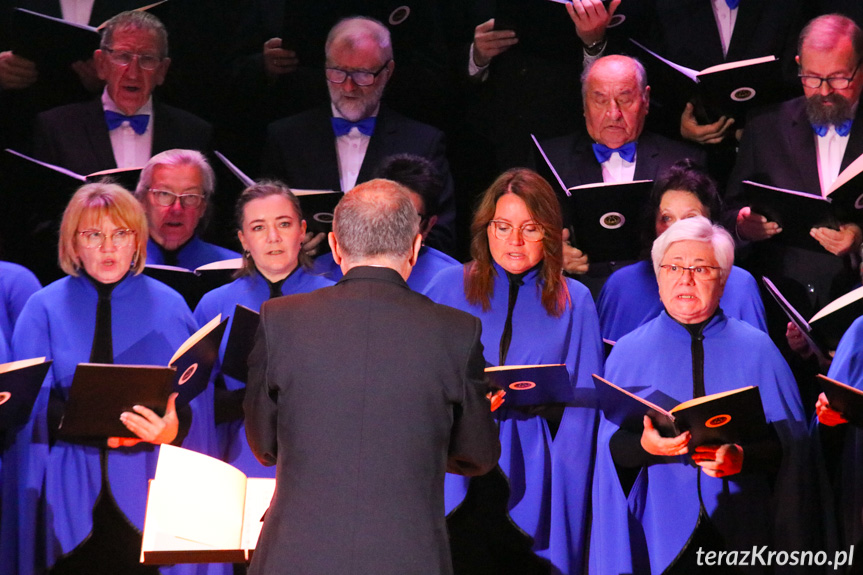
[691, 270]
[87, 234]
[136, 56]
[829, 80]
[181, 197]
[520, 229]
[351, 73]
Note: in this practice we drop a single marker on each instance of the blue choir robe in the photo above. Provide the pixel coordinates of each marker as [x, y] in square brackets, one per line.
[630, 298]
[17, 284]
[429, 263]
[49, 492]
[662, 507]
[847, 367]
[250, 291]
[527, 453]
[194, 254]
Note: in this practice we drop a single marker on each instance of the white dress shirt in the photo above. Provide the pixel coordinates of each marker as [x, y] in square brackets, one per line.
[617, 170]
[130, 149]
[831, 149]
[77, 11]
[725, 20]
[351, 151]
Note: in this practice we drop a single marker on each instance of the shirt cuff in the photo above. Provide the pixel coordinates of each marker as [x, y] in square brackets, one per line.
[473, 70]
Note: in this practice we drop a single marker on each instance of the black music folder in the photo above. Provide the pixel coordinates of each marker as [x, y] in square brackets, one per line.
[20, 382]
[193, 284]
[240, 341]
[532, 385]
[50, 41]
[847, 400]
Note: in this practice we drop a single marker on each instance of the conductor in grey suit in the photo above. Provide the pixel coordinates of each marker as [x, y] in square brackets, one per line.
[363, 394]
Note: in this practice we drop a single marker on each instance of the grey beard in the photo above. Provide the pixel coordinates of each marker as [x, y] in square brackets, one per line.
[820, 114]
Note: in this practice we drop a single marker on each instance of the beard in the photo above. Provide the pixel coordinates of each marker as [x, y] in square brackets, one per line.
[356, 109]
[819, 112]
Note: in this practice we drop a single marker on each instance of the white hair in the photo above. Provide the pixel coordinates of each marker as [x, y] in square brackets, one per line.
[698, 229]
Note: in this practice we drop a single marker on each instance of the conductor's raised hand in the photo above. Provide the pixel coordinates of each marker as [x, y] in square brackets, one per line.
[755, 227]
[719, 460]
[278, 61]
[148, 426]
[591, 18]
[488, 42]
[655, 444]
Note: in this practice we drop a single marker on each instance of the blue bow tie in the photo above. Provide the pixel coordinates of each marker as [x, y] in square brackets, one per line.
[341, 126]
[842, 129]
[603, 152]
[732, 4]
[138, 121]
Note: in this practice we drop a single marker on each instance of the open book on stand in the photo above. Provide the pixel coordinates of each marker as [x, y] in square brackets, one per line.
[202, 510]
[735, 416]
[100, 392]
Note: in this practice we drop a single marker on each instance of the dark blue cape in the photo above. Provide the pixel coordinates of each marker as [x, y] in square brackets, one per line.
[663, 502]
[847, 367]
[52, 491]
[194, 254]
[429, 263]
[536, 468]
[630, 298]
[17, 284]
[250, 291]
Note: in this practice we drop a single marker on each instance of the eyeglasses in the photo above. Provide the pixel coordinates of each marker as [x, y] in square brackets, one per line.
[93, 239]
[835, 82]
[122, 58]
[359, 77]
[530, 232]
[166, 199]
[698, 272]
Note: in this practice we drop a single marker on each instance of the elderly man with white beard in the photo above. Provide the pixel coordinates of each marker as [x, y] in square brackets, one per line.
[338, 146]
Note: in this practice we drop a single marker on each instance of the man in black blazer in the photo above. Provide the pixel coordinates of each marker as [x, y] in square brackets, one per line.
[364, 394]
[340, 145]
[614, 147]
[802, 145]
[125, 127]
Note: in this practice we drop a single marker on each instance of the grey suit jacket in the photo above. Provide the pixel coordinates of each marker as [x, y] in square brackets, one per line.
[301, 151]
[76, 137]
[363, 394]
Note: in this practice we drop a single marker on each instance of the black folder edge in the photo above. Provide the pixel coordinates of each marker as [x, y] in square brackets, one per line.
[845, 399]
[235, 364]
[195, 366]
[795, 318]
[18, 392]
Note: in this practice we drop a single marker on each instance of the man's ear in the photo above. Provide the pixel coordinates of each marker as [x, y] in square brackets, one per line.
[415, 253]
[334, 247]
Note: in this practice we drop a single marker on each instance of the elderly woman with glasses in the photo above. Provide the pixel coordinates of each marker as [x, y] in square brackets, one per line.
[270, 226]
[531, 314]
[176, 190]
[661, 503]
[78, 506]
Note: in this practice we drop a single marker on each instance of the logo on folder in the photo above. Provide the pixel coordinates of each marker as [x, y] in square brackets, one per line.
[743, 94]
[522, 385]
[717, 421]
[612, 220]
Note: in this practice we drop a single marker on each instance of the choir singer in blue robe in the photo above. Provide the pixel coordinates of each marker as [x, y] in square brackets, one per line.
[531, 314]
[271, 230]
[659, 505]
[630, 297]
[78, 507]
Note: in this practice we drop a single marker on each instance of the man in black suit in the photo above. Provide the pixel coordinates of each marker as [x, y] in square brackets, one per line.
[802, 145]
[125, 127]
[337, 146]
[363, 394]
[614, 147]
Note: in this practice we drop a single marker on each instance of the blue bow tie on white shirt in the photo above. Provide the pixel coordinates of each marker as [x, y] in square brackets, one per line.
[842, 129]
[603, 152]
[138, 121]
[342, 127]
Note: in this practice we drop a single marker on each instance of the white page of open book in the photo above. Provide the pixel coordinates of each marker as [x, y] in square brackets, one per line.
[259, 493]
[203, 498]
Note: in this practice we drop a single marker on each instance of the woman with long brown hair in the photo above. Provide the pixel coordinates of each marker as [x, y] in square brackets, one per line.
[532, 314]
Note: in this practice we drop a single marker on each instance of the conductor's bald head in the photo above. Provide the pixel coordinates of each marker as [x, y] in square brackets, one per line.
[376, 223]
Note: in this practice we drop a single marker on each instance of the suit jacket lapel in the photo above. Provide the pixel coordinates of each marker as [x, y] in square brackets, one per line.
[748, 15]
[799, 136]
[378, 145]
[645, 159]
[97, 133]
[582, 167]
[855, 140]
[322, 145]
